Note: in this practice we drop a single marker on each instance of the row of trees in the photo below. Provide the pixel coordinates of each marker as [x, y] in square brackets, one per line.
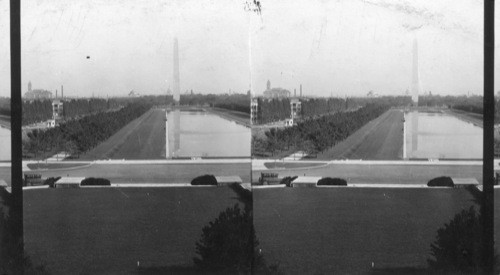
[79, 136]
[478, 109]
[41, 110]
[315, 135]
[437, 100]
[271, 110]
[235, 102]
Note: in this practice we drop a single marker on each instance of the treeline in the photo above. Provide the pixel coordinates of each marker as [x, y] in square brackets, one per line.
[35, 111]
[270, 110]
[316, 134]
[235, 102]
[449, 101]
[79, 107]
[81, 135]
[320, 106]
[470, 108]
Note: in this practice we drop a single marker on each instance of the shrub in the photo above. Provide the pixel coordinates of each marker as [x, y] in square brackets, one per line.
[288, 181]
[458, 244]
[227, 244]
[204, 180]
[441, 181]
[332, 181]
[51, 181]
[95, 181]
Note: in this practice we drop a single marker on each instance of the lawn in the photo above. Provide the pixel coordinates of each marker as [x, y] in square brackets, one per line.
[497, 219]
[292, 165]
[344, 231]
[108, 230]
[58, 165]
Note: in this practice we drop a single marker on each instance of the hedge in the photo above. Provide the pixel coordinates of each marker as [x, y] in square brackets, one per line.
[51, 181]
[441, 181]
[332, 181]
[95, 181]
[204, 180]
[288, 181]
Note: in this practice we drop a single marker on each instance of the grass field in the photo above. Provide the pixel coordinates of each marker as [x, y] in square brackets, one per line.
[497, 219]
[106, 231]
[291, 165]
[154, 173]
[390, 173]
[143, 138]
[380, 139]
[58, 165]
[342, 231]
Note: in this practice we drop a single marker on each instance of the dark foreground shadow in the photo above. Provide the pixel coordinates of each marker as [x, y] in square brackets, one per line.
[413, 271]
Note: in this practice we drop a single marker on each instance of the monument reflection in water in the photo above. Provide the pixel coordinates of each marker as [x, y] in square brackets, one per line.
[436, 135]
[173, 141]
[203, 134]
[5, 141]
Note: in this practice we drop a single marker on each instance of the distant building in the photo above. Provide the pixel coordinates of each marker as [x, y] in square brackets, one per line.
[254, 110]
[289, 122]
[275, 92]
[57, 110]
[51, 123]
[295, 108]
[372, 94]
[133, 94]
[37, 93]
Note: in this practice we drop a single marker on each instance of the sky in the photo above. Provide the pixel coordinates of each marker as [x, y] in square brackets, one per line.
[339, 48]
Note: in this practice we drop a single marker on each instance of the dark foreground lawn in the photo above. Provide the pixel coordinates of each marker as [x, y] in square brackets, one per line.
[344, 231]
[497, 219]
[108, 230]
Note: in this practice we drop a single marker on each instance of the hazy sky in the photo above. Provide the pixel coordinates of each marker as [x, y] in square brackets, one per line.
[344, 47]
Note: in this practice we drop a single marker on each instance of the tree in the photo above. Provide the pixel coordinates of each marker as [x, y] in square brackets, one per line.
[229, 244]
[12, 259]
[458, 243]
[457, 248]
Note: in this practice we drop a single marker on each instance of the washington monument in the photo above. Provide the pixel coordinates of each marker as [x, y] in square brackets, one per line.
[415, 85]
[177, 85]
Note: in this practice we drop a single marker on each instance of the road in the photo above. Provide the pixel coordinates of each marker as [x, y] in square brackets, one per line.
[154, 171]
[400, 172]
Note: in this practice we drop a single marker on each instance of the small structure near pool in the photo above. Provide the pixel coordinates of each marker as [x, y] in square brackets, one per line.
[69, 182]
[305, 181]
[228, 180]
[464, 182]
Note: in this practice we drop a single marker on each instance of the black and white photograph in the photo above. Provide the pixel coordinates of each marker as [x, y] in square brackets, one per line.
[249, 137]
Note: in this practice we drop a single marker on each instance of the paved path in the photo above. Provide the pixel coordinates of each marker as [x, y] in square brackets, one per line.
[387, 172]
[153, 172]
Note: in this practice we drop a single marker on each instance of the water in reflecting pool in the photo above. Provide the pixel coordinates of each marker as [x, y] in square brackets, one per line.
[438, 135]
[4, 144]
[202, 134]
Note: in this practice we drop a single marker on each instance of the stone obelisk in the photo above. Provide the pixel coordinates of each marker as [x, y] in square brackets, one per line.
[415, 83]
[177, 86]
